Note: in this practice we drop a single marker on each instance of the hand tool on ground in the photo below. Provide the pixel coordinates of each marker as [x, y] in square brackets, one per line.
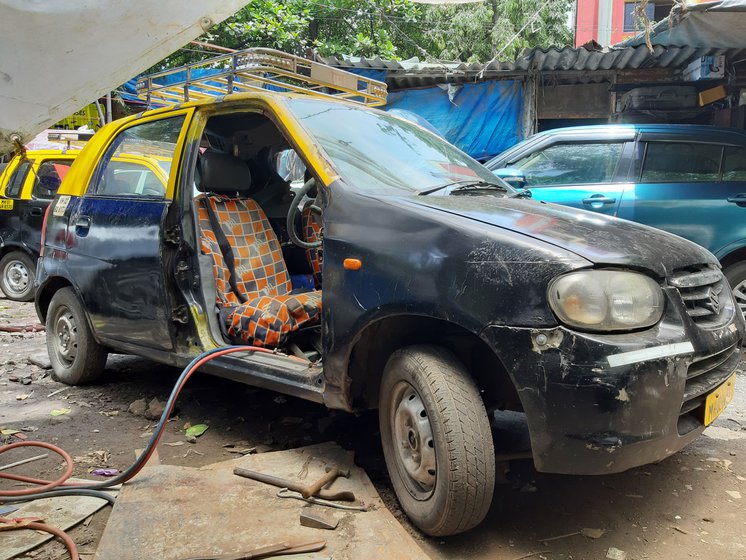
[318, 519]
[331, 474]
[288, 547]
[344, 496]
[285, 493]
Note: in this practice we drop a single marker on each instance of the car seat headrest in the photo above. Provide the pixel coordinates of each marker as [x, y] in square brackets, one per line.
[222, 173]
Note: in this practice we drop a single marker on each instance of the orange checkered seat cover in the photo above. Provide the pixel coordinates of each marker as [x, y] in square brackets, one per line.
[254, 294]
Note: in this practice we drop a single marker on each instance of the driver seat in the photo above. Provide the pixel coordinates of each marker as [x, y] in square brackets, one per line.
[254, 294]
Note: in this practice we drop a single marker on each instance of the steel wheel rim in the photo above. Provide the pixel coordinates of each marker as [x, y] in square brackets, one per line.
[413, 443]
[739, 291]
[16, 278]
[65, 336]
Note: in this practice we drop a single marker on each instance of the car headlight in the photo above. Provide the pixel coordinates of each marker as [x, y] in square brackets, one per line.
[606, 300]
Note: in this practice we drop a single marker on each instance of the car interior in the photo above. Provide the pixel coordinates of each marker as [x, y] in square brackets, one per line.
[266, 288]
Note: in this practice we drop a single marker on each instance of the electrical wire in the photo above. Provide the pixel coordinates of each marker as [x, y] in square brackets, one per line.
[61, 487]
[12, 524]
[68, 492]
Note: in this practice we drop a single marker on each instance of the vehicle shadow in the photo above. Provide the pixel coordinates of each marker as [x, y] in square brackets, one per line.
[656, 511]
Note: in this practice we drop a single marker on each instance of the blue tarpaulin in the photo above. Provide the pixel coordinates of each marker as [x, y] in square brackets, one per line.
[482, 119]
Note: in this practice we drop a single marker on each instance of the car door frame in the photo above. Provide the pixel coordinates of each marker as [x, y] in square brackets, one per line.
[620, 176]
[171, 313]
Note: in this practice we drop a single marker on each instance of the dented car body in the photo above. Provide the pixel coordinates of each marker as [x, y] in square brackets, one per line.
[440, 284]
[595, 403]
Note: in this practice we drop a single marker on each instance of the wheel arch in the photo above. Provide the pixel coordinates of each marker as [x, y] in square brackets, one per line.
[7, 248]
[380, 339]
[739, 255]
[46, 291]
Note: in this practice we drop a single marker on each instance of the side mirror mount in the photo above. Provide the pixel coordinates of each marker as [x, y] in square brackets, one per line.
[514, 177]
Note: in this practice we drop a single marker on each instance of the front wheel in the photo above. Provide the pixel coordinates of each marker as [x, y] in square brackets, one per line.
[736, 276]
[436, 440]
[75, 355]
[17, 280]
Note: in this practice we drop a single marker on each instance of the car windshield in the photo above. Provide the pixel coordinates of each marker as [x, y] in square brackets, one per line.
[374, 151]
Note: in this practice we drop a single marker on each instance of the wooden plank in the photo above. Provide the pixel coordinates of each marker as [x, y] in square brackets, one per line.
[576, 101]
[63, 512]
[645, 75]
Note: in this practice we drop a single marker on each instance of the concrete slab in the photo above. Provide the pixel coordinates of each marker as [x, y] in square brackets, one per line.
[172, 513]
[63, 512]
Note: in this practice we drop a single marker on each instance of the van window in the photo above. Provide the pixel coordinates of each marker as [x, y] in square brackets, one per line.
[13, 190]
[571, 164]
[667, 162]
[734, 164]
[48, 178]
[134, 163]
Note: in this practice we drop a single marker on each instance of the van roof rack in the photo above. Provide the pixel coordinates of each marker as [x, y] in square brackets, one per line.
[257, 69]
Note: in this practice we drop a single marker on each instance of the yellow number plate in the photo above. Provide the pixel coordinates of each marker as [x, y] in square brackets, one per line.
[6, 204]
[719, 399]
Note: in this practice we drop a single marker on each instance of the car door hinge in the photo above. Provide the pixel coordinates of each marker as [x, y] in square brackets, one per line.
[180, 314]
[182, 268]
[172, 235]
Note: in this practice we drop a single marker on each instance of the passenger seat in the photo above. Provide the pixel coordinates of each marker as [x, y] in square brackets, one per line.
[254, 294]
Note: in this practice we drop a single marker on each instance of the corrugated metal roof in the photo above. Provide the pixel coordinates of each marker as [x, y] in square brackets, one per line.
[414, 73]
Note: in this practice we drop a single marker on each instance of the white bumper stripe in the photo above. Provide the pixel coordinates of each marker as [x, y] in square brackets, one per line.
[654, 353]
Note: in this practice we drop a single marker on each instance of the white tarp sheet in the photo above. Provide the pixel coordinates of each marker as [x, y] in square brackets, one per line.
[718, 25]
[56, 56]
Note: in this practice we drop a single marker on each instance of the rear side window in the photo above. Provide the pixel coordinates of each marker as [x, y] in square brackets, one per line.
[734, 164]
[571, 164]
[134, 164]
[667, 162]
[15, 184]
[48, 178]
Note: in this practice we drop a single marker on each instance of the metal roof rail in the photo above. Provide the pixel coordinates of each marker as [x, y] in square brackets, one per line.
[261, 70]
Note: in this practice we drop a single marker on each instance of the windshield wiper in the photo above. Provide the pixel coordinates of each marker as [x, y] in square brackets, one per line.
[479, 186]
[465, 185]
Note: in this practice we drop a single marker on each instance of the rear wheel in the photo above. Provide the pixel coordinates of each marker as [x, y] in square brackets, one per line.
[17, 280]
[736, 275]
[436, 440]
[75, 355]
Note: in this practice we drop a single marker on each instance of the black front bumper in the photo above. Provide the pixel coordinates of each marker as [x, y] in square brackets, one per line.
[604, 403]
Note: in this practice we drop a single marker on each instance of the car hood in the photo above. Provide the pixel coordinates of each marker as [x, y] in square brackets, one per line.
[600, 239]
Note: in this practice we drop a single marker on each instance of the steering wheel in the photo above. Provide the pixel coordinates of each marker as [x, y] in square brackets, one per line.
[293, 212]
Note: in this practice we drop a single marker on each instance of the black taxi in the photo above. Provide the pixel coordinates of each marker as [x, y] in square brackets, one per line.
[27, 186]
[392, 272]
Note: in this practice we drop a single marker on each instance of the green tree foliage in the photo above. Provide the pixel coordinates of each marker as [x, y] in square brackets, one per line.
[391, 29]
[502, 28]
[330, 26]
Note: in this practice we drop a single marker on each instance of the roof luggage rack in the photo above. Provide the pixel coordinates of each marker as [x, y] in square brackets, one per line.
[257, 70]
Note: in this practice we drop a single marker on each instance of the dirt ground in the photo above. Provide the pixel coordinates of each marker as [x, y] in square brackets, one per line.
[688, 506]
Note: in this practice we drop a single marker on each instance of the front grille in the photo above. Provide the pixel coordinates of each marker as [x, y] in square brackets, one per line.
[704, 375]
[705, 294]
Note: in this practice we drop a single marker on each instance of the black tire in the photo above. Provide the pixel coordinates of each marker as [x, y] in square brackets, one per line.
[736, 275]
[429, 385]
[76, 357]
[17, 275]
